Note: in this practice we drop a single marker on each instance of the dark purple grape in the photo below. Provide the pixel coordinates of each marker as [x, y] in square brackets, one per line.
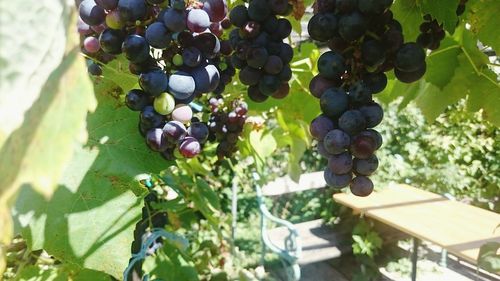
[337, 181]
[174, 131]
[257, 57]
[198, 131]
[111, 41]
[273, 65]
[361, 186]
[352, 122]
[359, 93]
[238, 16]
[336, 141]
[410, 57]
[376, 82]
[107, 4]
[191, 56]
[258, 10]
[132, 10]
[373, 114]
[352, 26]
[94, 69]
[321, 126]
[334, 102]
[190, 147]
[155, 141]
[198, 20]
[206, 78]
[174, 20]
[331, 65]
[91, 13]
[256, 95]
[341, 163]
[135, 48]
[410, 77]
[320, 84]
[216, 9]
[269, 84]
[363, 147]
[250, 76]
[137, 99]
[150, 118]
[154, 82]
[322, 26]
[158, 35]
[365, 167]
[373, 53]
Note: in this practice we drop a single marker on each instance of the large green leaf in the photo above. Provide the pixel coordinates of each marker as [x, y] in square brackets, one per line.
[171, 265]
[484, 21]
[30, 49]
[90, 219]
[441, 63]
[36, 273]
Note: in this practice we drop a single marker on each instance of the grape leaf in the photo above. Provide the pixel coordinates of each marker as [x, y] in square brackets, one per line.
[444, 11]
[117, 72]
[408, 13]
[28, 54]
[432, 101]
[441, 63]
[171, 265]
[35, 273]
[90, 219]
[484, 21]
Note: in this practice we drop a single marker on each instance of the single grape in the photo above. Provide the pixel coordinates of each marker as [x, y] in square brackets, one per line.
[206, 78]
[285, 53]
[250, 29]
[273, 65]
[322, 150]
[114, 21]
[111, 41]
[208, 44]
[373, 6]
[256, 95]
[269, 84]
[376, 82]
[132, 10]
[320, 84]
[150, 118]
[373, 53]
[216, 9]
[199, 131]
[285, 74]
[374, 135]
[337, 181]
[155, 141]
[135, 48]
[410, 77]
[363, 147]
[182, 113]
[322, 26]
[331, 65]
[346, 6]
[91, 44]
[352, 122]
[365, 167]
[336, 141]
[154, 82]
[359, 93]
[174, 20]
[164, 104]
[94, 69]
[198, 20]
[158, 35]
[334, 102]
[174, 131]
[284, 28]
[91, 13]
[137, 99]
[258, 10]
[341, 163]
[181, 85]
[410, 57]
[279, 7]
[238, 16]
[373, 114]
[282, 92]
[361, 186]
[250, 76]
[352, 26]
[190, 147]
[257, 57]
[82, 27]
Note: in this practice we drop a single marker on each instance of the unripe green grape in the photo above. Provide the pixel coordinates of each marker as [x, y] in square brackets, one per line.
[164, 104]
[113, 20]
[177, 60]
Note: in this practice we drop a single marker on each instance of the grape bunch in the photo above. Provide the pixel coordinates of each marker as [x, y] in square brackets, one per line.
[365, 41]
[432, 33]
[226, 125]
[175, 49]
[259, 51]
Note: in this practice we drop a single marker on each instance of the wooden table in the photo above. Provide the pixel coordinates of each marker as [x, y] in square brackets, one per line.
[459, 228]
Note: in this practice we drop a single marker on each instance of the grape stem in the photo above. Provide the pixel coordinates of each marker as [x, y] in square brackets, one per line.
[371, 34]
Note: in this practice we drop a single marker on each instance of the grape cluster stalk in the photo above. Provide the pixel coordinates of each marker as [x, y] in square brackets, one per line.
[175, 49]
[259, 51]
[365, 41]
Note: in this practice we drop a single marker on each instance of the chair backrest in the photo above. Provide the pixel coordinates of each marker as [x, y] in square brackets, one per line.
[286, 185]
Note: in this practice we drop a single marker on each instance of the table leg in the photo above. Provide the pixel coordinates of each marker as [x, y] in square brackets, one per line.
[414, 258]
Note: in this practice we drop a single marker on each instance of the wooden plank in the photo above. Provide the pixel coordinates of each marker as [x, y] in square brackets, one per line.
[285, 185]
[457, 227]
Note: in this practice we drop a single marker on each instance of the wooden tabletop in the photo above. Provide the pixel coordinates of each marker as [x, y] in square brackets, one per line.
[460, 228]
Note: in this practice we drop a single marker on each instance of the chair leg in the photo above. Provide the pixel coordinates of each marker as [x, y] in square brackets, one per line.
[444, 258]
[414, 258]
